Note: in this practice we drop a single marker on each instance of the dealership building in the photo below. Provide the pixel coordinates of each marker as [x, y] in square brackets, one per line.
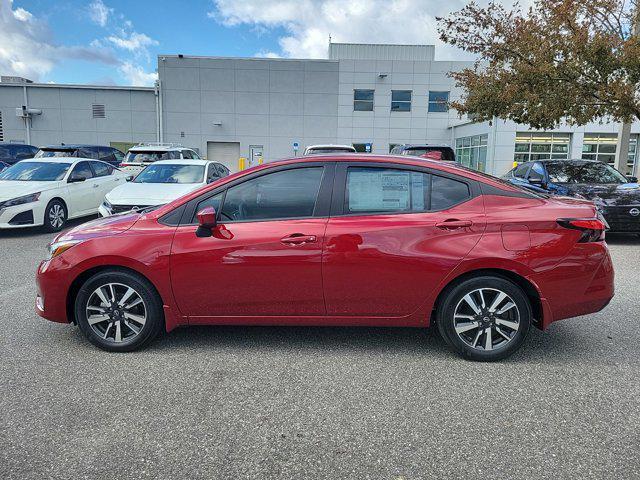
[369, 96]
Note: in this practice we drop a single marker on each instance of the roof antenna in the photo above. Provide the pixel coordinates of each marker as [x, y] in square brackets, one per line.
[329, 39]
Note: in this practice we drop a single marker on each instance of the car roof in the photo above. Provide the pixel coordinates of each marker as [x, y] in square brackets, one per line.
[350, 147]
[72, 146]
[158, 147]
[423, 145]
[58, 159]
[186, 161]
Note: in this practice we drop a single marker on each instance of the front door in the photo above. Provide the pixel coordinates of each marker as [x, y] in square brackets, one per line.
[264, 256]
[395, 235]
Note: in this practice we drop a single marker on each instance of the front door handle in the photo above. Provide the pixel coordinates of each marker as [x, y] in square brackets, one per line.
[298, 239]
[96, 185]
[452, 224]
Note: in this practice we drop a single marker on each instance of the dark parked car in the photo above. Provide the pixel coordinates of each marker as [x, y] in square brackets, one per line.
[426, 150]
[111, 155]
[617, 197]
[14, 152]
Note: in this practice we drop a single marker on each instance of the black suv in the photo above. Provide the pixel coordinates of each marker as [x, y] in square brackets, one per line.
[111, 155]
[426, 150]
[14, 152]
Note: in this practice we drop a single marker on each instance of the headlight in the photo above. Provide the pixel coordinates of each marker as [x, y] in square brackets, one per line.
[57, 248]
[20, 200]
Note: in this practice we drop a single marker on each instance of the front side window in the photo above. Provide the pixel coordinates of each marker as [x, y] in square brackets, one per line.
[83, 169]
[363, 100]
[438, 101]
[213, 201]
[371, 190]
[171, 173]
[521, 170]
[35, 171]
[400, 100]
[212, 173]
[278, 195]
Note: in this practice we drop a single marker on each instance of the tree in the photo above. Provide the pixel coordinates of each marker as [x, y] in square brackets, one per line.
[575, 61]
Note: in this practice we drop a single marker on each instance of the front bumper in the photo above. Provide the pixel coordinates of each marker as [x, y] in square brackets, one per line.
[621, 219]
[21, 216]
[52, 285]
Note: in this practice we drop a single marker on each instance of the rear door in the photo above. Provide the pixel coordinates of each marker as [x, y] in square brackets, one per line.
[104, 180]
[82, 195]
[394, 234]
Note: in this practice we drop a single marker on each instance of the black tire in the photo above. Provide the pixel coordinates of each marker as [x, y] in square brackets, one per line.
[497, 345]
[51, 216]
[150, 308]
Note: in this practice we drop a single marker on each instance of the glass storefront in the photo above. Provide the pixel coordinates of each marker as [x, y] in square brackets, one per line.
[603, 146]
[472, 152]
[531, 146]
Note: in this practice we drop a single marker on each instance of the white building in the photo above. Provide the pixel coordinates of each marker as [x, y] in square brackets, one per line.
[371, 96]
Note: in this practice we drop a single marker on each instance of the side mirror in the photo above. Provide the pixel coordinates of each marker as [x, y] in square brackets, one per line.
[632, 179]
[129, 178]
[537, 182]
[76, 177]
[206, 221]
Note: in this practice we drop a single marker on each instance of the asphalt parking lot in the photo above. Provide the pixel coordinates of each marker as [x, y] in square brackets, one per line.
[293, 403]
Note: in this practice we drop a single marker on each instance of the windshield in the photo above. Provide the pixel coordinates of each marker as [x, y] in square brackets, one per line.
[584, 172]
[55, 153]
[315, 151]
[150, 157]
[169, 173]
[447, 153]
[35, 171]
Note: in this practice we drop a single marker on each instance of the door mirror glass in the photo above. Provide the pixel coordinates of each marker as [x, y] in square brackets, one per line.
[632, 179]
[538, 182]
[76, 177]
[206, 221]
[129, 178]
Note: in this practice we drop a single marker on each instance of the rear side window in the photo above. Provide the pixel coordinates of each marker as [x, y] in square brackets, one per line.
[286, 194]
[446, 192]
[83, 169]
[87, 152]
[371, 190]
[106, 154]
[101, 169]
[388, 190]
[186, 154]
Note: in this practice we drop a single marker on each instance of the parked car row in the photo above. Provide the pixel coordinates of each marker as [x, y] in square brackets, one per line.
[52, 188]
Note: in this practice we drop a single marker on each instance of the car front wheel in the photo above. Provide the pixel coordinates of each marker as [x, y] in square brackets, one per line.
[118, 311]
[485, 318]
[55, 216]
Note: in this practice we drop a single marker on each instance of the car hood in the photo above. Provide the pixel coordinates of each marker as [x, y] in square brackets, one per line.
[148, 193]
[101, 227]
[608, 195]
[14, 188]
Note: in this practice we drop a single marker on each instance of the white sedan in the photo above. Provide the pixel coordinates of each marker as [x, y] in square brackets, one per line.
[161, 182]
[49, 191]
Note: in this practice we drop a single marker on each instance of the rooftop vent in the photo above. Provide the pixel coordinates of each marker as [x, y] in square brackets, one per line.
[98, 110]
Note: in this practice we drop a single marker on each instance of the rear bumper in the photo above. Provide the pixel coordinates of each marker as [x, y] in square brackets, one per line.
[580, 284]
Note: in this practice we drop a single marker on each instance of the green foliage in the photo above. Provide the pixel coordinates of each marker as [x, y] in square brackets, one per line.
[563, 60]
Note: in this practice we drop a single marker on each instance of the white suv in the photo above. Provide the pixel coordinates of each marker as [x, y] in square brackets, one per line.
[144, 154]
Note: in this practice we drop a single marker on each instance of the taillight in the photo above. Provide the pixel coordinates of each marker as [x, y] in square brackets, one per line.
[592, 228]
[125, 165]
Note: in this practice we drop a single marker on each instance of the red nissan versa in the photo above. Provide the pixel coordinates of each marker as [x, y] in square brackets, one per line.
[336, 240]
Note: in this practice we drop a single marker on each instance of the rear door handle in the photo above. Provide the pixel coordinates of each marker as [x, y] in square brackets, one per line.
[298, 239]
[451, 224]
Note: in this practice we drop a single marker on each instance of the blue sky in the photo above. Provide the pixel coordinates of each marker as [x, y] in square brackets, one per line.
[117, 41]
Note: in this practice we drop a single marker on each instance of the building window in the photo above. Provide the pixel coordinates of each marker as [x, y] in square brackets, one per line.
[472, 152]
[603, 147]
[363, 147]
[363, 100]
[1, 129]
[97, 110]
[438, 101]
[531, 146]
[400, 100]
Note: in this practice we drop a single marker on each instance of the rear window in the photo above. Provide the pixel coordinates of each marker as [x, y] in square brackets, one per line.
[447, 153]
[150, 156]
[49, 153]
[315, 151]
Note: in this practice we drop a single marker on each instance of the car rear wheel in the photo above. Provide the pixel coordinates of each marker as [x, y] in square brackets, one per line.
[55, 216]
[118, 311]
[484, 318]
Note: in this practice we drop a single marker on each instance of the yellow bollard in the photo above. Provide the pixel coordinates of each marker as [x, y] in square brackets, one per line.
[259, 160]
[241, 163]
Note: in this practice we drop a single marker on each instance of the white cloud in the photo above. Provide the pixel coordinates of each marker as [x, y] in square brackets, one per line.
[99, 12]
[309, 23]
[132, 41]
[136, 75]
[27, 49]
[267, 54]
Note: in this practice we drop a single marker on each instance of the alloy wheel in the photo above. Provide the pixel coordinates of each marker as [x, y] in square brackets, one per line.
[116, 312]
[56, 215]
[486, 319]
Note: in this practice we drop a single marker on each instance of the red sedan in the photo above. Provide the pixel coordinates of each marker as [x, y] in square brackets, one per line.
[336, 240]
